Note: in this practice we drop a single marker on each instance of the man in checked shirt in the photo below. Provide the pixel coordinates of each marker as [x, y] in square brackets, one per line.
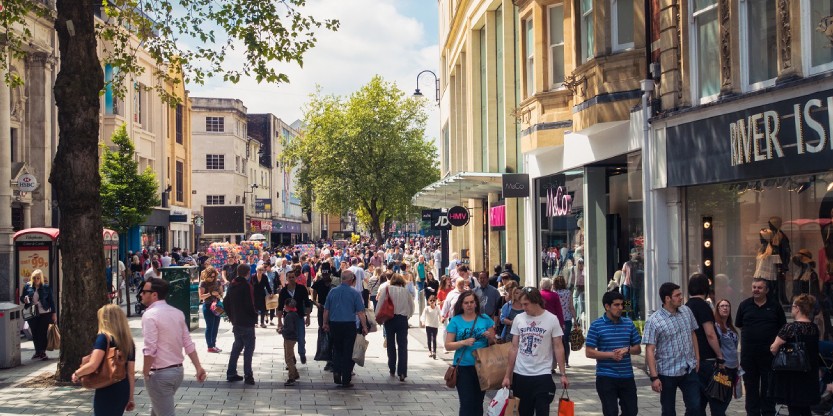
[671, 352]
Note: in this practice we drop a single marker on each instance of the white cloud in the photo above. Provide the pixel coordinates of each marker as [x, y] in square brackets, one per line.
[374, 38]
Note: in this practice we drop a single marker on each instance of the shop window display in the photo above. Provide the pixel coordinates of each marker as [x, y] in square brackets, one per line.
[777, 229]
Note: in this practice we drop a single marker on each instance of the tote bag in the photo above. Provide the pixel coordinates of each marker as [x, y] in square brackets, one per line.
[387, 309]
[111, 370]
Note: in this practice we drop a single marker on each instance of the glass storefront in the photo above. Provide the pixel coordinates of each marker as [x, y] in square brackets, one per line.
[779, 229]
[153, 237]
[560, 215]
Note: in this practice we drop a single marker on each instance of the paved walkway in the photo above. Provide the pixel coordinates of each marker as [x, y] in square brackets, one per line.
[375, 393]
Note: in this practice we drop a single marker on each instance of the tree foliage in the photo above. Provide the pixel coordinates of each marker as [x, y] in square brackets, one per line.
[366, 153]
[127, 195]
[194, 36]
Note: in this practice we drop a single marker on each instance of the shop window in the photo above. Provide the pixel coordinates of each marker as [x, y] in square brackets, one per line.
[760, 229]
[529, 61]
[585, 31]
[215, 199]
[817, 32]
[215, 124]
[705, 59]
[215, 162]
[758, 35]
[622, 21]
[555, 19]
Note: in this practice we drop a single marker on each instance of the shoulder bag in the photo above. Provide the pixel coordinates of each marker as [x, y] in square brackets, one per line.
[30, 312]
[576, 337]
[791, 357]
[451, 373]
[217, 307]
[387, 310]
[111, 370]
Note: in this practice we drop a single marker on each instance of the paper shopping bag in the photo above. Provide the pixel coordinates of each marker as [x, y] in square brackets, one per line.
[490, 364]
[53, 341]
[511, 408]
[566, 407]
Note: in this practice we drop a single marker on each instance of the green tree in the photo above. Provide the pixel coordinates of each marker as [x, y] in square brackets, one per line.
[194, 35]
[366, 153]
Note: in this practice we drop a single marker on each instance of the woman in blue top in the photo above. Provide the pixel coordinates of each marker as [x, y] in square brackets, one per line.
[467, 331]
[113, 331]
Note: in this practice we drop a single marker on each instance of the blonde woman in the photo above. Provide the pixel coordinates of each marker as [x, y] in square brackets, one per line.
[114, 331]
[39, 294]
[210, 290]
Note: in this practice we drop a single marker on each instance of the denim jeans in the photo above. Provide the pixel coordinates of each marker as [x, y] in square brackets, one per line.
[212, 325]
[565, 340]
[468, 391]
[718, 408]
[244, 340]
[689, 384]
[302, 343]
[615, 393]
[397, 328]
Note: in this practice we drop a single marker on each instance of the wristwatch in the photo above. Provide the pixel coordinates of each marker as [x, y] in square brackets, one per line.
[653, 379]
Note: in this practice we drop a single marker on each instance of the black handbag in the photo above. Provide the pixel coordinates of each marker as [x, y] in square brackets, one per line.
[30, 312]
[720, 386]
[791, 357]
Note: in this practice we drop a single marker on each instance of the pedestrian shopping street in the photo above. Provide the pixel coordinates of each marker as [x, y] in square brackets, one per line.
[375, 392]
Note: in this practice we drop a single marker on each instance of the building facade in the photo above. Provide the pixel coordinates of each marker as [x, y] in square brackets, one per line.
[178, 157]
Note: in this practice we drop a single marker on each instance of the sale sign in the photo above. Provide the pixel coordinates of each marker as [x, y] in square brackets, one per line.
[31, 259]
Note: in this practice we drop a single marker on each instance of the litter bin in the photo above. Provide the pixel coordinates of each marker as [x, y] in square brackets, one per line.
[10, 315]
[183, 293]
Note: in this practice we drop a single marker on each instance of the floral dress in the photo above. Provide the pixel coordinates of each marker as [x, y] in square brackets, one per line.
[798, 388]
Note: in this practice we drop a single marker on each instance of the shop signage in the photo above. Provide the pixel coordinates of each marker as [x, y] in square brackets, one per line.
[559, 202]
[458, 216]
[439, 221]
[788, 137]
[428, 213]
[497, 217]
[263, 205]
[515, 185]
[27, 183]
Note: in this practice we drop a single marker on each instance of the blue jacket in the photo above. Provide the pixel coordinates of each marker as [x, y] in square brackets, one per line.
[44, 295]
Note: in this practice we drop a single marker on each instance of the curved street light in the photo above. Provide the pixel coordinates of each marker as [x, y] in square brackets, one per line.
[418, 93]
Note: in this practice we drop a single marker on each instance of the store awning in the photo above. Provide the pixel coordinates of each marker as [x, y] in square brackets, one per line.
[449, 191]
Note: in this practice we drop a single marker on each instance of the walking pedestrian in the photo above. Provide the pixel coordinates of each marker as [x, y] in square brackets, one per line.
[708, 344]
[759, 318]
[38, 295]
[290, 338]
[799, 389]
[294, 289]
[489, 297]
[536, 343]
[569, 311]
[611, 340]
[552, 302]
[396, 328]
[430, 319]
[165, 337]
[728, 336]
[432, 286]
[577, 285]
[320, 290]
[671, 352]
[210, 291]
[511, 309]
[468, 331]
[344, 307]
[240, 307]
[261, 288]
[113, 331]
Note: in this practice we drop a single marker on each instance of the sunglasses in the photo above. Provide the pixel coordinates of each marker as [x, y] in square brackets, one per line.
[143, 291]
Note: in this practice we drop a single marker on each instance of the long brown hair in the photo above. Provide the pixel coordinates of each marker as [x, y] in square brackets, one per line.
[718, 320]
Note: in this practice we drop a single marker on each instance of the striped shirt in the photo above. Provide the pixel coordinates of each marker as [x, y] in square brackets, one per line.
[605, 335]
[671, 333]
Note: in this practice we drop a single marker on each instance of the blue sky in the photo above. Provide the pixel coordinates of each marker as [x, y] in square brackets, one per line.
[393, 38]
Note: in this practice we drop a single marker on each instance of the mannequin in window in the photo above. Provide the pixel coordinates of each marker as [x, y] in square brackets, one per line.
[768, 264]
[805, 278]
[633, 278]
[780, 246]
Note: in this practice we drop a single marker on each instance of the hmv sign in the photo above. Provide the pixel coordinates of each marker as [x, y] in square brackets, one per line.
[458, 216]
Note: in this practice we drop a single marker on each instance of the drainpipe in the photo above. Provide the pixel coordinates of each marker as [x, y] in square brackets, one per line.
[650, 261]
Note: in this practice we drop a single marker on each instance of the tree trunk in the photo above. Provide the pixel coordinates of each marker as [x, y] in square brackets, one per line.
[76, 182]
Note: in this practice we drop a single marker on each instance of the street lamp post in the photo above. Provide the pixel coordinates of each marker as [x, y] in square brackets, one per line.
[418, 93]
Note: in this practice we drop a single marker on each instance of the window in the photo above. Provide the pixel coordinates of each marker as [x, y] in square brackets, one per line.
[817, 25]
[529, 51]
[586, 31]
[215, 200]
[180, 179]
[237, 164]
[179, 123]
[138, 103]
[216, 162]
[622, 21]
[555, 16]
[758, 34]
[215, 124]
[484, 104]
[705, 59]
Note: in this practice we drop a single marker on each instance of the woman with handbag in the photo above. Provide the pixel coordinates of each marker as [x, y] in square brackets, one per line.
[566, 297]
[210, 291]
[727, 336]
[797, 386]
[261, 287]
[113, 331]
[468, 331]
[39, 297]
[396, 328]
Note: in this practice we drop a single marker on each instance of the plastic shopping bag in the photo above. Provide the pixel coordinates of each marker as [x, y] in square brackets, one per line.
[359, 350]
[498, 403]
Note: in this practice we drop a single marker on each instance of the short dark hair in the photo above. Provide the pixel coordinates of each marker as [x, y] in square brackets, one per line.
[159, 286]
[533, 295]
[462, 268]
[498, 269]
[458, 306]
[243, 270]
[609, 297]
[508, 266]
[698, 285]
[667, 290]
[483, 274]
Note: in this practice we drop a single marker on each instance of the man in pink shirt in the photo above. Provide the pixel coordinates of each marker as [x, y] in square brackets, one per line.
[166, 336]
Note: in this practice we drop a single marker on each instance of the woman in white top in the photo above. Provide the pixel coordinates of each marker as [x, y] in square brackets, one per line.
[396, 328]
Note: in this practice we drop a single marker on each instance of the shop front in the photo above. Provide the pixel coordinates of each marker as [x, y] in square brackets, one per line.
[153, 233]
[285, 232]
[755, 178]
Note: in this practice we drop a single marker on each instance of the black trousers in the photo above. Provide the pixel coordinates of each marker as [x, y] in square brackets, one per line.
[431, 336]
[615, 393]
[343, 336]
[39, 327]
[536, 393]
[468, 391]
[757, 367]
[397, 334]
